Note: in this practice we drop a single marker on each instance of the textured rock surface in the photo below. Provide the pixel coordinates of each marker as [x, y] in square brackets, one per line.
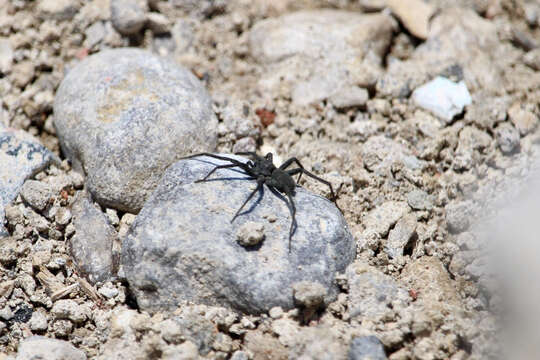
[40, 347]
[318, 53]
[183, 245]
[21, 156]
[92, 244]
[124, 115]
[366, 348]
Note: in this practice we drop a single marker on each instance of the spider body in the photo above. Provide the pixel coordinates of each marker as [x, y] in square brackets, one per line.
[263, 170]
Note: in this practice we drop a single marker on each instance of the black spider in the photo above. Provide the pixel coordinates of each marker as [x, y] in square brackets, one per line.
[264, 171]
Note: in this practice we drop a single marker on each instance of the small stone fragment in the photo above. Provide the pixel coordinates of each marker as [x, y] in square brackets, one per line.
[6, 56]
[309, 294]
[250, 234]
[400, 235]
[36, 193]
[69, 309]
[443, 97]
[38, 321]
[92, 244]
[523, 119]
[57, 9]
[458, 216]
[420, 200]
[366, 348]
[414, 14]
[348, 97]
[40, 347]
[532, 59]
[380, 219]
[128, 16]
[507, 138]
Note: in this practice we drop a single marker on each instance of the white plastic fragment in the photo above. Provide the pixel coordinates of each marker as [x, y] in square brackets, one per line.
[442, 97]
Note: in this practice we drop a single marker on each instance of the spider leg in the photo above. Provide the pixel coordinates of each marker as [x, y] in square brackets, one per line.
[214, 169]
[260, 182]
[240, 164]
[289, 162]
[249, 153]
[293, 215]
[302, 170]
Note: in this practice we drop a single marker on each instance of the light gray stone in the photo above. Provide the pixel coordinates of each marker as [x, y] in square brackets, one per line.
[36, 193]
[6, 56]
[250, 234]
[183, 246]
[384, 216]
[315, 54]
[507, 138]
[41, 347]
[57, 9]
[128, 16]
[125, 115]
[458, 215]
[371, 292]
[420, 200]
[352, 96]
[366, 348]
[91, 246]
[70, 310]
[379, 153]
[21, 156]
[38, 321]
[309, 294]
[400, 235]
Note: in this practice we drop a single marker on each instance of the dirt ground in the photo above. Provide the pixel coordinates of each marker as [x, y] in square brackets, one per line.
[409, 180]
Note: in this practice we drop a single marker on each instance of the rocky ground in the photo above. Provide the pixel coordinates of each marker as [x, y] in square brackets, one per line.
[424, 116]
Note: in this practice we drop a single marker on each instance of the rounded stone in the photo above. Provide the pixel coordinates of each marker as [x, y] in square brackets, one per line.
[183, 245]
[123, 116]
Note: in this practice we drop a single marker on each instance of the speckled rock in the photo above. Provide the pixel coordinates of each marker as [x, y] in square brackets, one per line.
[366, 348]
[371, 292]
[316, 54]
[183, 245]
[21, 156]
[128, 16]
[40, 347]
[124, 116]
[91, 246]
[507, 138]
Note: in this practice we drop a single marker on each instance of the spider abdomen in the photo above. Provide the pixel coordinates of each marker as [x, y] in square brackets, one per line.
[282, 181]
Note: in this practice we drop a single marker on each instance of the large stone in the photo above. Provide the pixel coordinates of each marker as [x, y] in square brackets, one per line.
[21, 156]
[124, 116]
[183, 246]
[316, 54]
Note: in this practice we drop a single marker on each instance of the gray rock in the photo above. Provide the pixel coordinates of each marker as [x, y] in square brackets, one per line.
[442, 97]
[371, 292]
[183, 246]
[400, 235]
[6, 56]
[420, 200]
[507, 138]
[57, 9]
[70, 310]
[486, 111]
[41, 347]
[250, 234]
[309, 54]
[128, 16]
[95, 34]
[91, 246]
[309, 294]
[458, 215]
[21, 156]
[366, 348]
[158, 23]
[384, 216]
[36, 193]
[38, 321]
[379, 153]
[143, 113]
[352, 96]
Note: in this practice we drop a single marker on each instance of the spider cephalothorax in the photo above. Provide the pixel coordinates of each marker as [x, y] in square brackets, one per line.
[263, 170]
